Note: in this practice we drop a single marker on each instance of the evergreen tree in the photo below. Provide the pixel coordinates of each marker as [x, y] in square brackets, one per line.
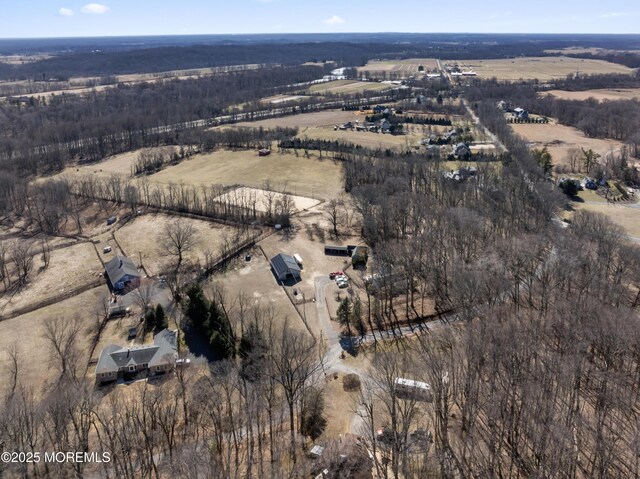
[197, 307]
[344, 314]
[161, 320]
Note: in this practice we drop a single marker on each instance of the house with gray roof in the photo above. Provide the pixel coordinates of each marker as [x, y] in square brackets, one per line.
[116, 362]
[122, 273]
[285, 267]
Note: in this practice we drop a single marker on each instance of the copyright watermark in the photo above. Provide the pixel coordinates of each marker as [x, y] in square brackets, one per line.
[55, 457]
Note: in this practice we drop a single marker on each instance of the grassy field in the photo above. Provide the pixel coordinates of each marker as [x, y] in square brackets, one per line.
[69, 268]
[140, 237]
[311, 177]
[541, 68]
[559, 139]
[367, 139]
[26, 332]
[301, 176]
[626, 216]
[407, 67]
[347, 86]
[600, 94]
[321, 118]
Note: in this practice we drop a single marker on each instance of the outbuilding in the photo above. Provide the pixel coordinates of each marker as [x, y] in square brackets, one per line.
[285, 267]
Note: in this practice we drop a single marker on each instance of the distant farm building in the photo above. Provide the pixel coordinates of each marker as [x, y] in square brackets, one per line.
[118, 363]
[285, 267]
[122, 273]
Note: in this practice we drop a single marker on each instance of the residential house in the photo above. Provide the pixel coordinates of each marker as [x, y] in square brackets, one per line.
[462, 151]
[122, 273]
[124, 363]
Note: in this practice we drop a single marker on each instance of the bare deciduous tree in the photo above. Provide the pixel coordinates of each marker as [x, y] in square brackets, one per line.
[177, 238]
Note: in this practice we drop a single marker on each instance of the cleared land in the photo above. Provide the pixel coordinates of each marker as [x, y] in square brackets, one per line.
[26, 332]
[141, 238]
[626, 216]
[69, 268]
[276, 99]
[347, 86]
[559, 139]
[367, 139]
[309, 177]
[600, 94]
[241, 196]
[541, 68]
[407, 67]
[321, 118]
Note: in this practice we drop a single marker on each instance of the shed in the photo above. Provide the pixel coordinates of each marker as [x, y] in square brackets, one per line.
[285, 267]
[337, 250]
[122, 273]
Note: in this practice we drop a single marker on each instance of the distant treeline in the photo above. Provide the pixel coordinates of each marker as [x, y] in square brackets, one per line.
[43, 137]
[197, 56]
[345, 51]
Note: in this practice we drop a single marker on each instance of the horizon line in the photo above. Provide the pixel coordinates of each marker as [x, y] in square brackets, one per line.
[274, 34]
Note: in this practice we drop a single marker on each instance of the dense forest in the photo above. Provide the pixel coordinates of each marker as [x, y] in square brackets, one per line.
[104, 57]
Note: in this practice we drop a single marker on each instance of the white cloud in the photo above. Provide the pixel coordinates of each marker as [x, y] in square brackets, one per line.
[613, 15]
[95, 8]
[65, 12]
[335, 20]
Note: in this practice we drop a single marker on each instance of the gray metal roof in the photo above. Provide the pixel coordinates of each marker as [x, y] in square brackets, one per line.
[118, 267]
[285, 264]
[114, 357]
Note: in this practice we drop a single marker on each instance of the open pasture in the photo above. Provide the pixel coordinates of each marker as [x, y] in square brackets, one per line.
[69, 268]
[598, 94]
[26, 332]
[141, 239]
[540, 68]
[304, 120]
[407, 67]
[559, 139]
[310, 177]
[347, 86]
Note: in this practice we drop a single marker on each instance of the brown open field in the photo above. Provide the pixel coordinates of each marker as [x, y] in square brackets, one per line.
[321, 118]
[625, 215]
[600, 94]
[367, 139]
[26, 331]
[310, 177]
[277, 99]
[559, 139]
[255, 280]
[541, 68]
[347, 86]
[140, 237]
[593, 50]
[69, 268]
[301, 176]
[408, 67]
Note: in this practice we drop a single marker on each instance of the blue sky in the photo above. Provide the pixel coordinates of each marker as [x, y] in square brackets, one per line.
[63, 18]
